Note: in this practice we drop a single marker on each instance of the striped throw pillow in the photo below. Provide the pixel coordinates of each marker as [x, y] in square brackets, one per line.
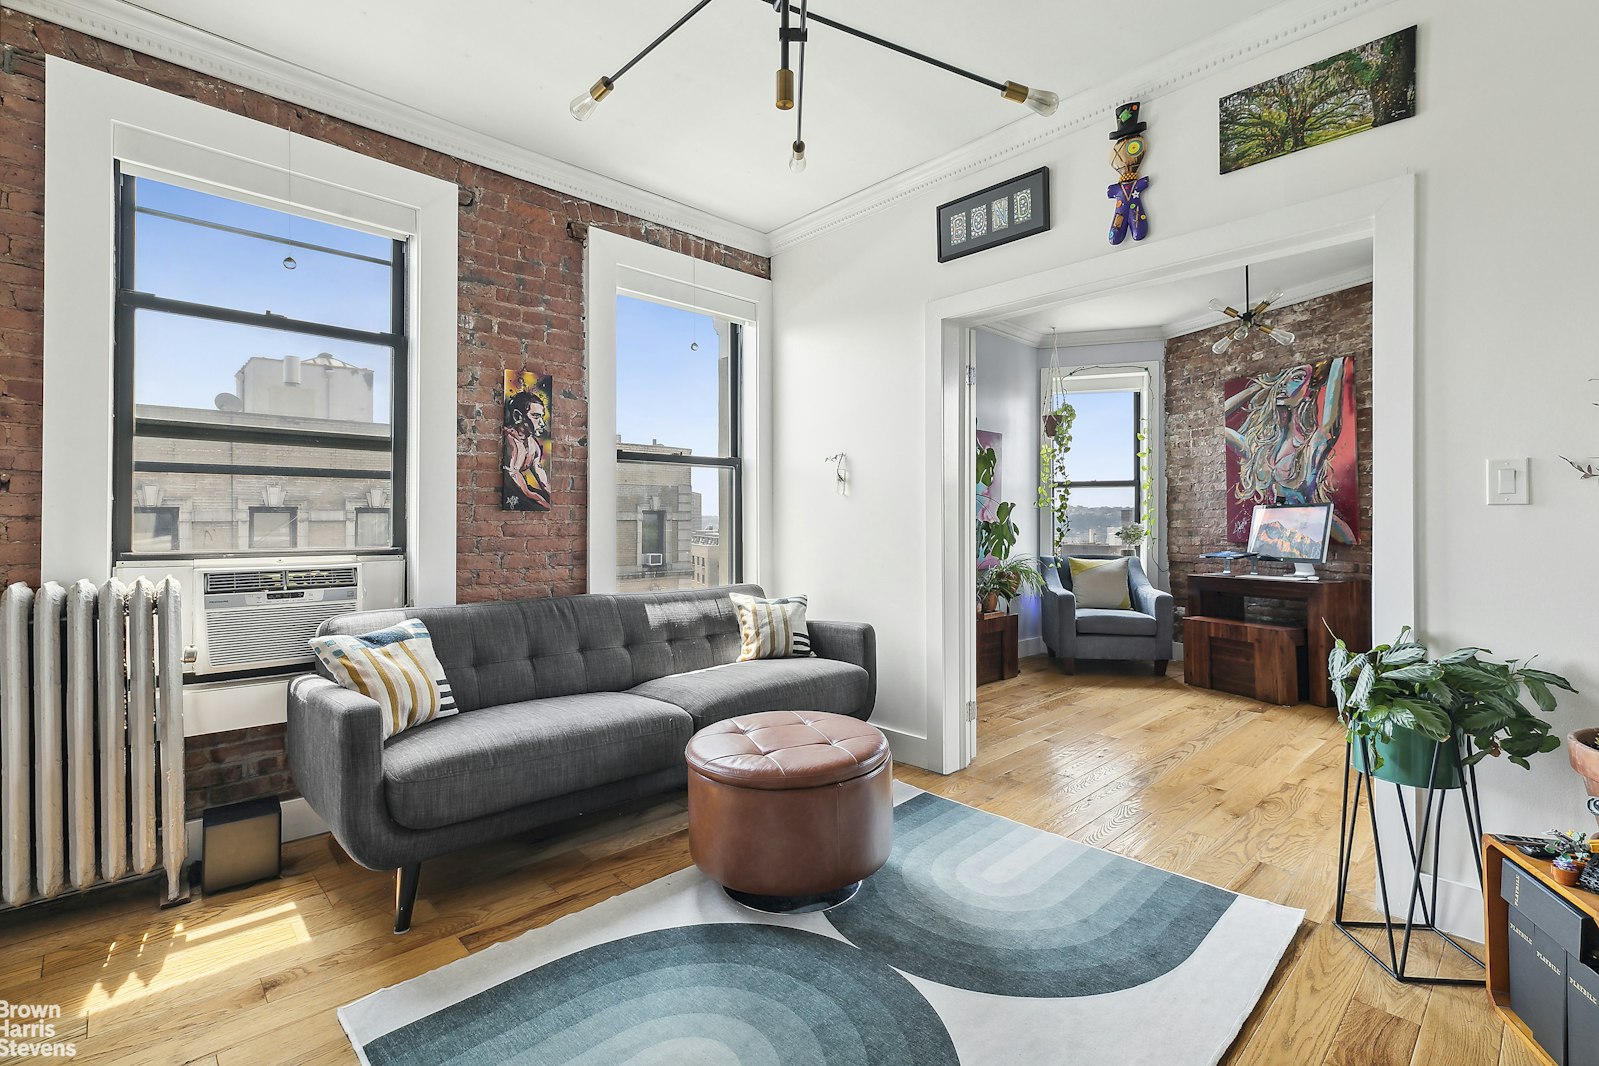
[395, 667]
[771, 629]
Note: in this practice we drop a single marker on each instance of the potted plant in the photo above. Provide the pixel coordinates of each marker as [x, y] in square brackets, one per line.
[1006, 579]
[1571, 853]
[1407, 703]
[1131, 535]
[1054, 487]
[1583, 748]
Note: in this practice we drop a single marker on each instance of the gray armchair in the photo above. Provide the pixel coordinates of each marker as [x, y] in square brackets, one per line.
[1072, 632]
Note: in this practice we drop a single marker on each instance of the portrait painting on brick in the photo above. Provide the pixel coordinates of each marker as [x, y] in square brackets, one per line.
[1290, 437]
[527, 445]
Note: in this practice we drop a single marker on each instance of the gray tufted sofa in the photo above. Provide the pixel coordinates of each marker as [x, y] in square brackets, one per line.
[566, 706]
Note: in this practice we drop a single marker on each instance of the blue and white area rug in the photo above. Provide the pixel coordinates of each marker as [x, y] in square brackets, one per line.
[982, 942]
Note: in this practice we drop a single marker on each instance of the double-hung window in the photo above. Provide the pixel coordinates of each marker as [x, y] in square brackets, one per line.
[260, 379]
[1106, 465]
[679, 476]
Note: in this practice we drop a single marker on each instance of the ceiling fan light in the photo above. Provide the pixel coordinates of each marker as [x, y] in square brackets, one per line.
[796, 158]
[584, 105]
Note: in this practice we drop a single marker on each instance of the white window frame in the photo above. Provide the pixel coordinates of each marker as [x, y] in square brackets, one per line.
[93, 120]
[614, 265]
[1148, 378]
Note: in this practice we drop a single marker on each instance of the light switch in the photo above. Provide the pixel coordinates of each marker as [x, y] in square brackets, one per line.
[1507, 482]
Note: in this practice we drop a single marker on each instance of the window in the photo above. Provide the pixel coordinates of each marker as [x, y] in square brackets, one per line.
[259, 354]
[1104, 467]
[273, 528]
[155, 529]
[679, 475]
[372, 527]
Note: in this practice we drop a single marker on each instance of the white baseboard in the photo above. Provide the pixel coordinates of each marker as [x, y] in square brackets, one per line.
[1460, 909]
[1177, 651]
[1031, 646]
[299, 821]
[907, 748]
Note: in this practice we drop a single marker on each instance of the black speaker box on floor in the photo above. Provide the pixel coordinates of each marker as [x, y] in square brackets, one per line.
[241, 843]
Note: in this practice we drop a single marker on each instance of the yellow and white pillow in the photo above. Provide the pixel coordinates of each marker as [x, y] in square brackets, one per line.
[396, 667]
[1101, 583]
[771, 629]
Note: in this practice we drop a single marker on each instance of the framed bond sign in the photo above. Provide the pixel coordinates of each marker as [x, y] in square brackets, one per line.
[997, 215]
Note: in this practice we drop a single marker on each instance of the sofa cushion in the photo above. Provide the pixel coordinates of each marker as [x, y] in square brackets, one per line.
[496, 758]
[722, 692]
[1115, 623]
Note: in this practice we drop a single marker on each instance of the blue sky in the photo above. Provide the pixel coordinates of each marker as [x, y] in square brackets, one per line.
[666, 390]
[186, 362]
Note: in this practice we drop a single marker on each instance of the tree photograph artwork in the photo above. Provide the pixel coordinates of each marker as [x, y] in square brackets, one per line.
[1368, 86]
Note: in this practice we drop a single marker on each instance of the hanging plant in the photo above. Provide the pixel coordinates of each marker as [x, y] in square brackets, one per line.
[1054, 487]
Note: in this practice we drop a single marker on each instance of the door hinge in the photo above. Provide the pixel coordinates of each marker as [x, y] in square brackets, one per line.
[971, 375]
[971, 710]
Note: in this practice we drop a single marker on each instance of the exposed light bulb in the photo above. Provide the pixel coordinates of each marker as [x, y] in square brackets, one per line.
[1273, 296]
[796, 158]
[1220, 306]
[1042, 101]
[583, 106]
[1280, 335]
[1221, 346]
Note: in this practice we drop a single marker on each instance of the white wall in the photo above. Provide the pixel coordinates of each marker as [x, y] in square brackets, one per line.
[1493, 382]
[1006, 400]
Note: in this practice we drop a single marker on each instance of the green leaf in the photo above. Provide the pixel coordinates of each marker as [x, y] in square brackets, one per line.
[1552, 680]
[1420, 673]
[1362, 690]
[1404, 654]
[1462, 655]
[1540, 694]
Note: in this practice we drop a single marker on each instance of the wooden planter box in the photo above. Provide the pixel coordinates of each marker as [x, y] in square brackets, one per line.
[996, 647]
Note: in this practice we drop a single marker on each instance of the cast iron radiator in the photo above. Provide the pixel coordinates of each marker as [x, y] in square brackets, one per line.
[91, 738]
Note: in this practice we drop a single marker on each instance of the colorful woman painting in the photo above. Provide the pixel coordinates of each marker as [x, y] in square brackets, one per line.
[1290, 439]
[527, 442]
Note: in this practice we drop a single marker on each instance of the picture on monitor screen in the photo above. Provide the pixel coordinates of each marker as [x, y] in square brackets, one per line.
[1292, 534]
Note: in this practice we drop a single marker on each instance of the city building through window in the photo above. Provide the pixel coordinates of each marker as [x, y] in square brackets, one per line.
[1104, 468]
[679, 475]
[260, 363]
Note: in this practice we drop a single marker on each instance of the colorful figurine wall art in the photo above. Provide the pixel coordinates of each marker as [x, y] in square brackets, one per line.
[1127, 156]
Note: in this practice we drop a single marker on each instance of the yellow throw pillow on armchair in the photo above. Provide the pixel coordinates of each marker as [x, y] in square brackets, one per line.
[1101, 583]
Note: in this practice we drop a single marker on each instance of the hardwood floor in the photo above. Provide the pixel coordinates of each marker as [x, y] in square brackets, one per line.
[1216, 787]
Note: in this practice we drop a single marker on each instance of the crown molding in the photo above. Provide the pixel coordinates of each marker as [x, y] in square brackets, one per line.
[1209, 319]
[1277, 26]
[1040, 339]
[131, 26]
[1194, 323]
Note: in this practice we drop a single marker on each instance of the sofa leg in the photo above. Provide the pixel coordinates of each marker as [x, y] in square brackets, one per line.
[1160, 667]
[406, 879]
[1068, 666]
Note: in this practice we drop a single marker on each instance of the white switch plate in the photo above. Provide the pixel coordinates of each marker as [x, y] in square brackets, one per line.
[1507, 482]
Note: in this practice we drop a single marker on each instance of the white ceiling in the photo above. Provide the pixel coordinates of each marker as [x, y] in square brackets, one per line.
[1172, 308]
[694, 122]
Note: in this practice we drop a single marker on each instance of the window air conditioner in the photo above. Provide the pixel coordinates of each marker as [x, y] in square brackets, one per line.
[260, 617]
[654, 559]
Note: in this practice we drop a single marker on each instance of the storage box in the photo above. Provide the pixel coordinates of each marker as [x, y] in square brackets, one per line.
[1582, 1013]
[1572, 930]
[1538, 984]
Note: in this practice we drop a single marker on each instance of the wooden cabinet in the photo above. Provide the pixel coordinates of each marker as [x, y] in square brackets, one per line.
[996, 647]
[1571, 915]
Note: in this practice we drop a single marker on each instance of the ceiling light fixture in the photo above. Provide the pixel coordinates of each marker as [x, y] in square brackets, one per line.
[791, 88]
[1249, 319]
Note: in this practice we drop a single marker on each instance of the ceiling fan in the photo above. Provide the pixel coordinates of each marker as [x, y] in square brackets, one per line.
[1249, 319]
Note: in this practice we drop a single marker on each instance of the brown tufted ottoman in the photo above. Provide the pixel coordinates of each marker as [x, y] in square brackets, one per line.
[789, 810]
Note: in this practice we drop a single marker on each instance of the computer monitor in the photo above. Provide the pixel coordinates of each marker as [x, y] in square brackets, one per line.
[1292, 534]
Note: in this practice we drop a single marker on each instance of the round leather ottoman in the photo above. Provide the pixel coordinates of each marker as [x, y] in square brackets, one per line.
[789, 810]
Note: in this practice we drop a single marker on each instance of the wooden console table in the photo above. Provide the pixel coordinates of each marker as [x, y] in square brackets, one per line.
[1342, 604]
[996, 646]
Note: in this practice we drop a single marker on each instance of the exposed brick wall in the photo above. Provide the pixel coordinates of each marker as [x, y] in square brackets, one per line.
[237, 765]
[520, 307]
[1338, 324]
